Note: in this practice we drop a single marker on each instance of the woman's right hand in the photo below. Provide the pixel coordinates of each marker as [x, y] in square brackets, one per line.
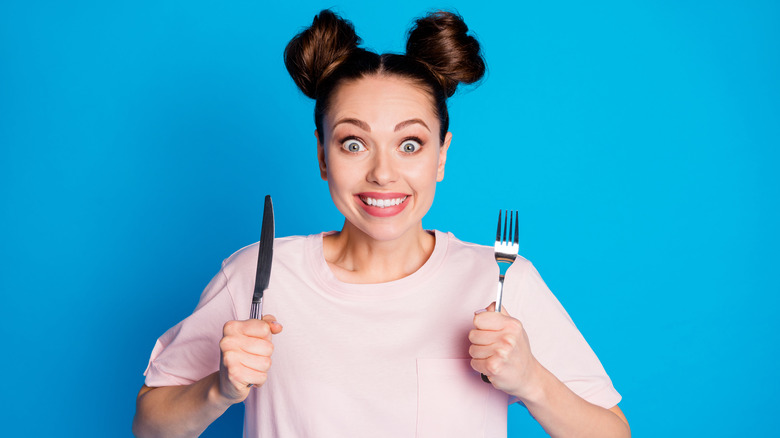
[245, 349]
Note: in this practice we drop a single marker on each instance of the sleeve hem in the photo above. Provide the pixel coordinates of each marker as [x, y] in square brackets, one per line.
[156, 377]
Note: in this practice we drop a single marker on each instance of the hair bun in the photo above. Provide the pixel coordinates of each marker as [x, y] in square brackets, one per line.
[315, 53]
[441, 41]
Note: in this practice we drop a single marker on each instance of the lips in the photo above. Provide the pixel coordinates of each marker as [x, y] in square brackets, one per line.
[383, 204]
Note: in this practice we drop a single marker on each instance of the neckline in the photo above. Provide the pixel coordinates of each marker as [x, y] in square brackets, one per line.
[373, 291]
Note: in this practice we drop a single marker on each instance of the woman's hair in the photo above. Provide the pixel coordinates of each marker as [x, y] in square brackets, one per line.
[439, 56]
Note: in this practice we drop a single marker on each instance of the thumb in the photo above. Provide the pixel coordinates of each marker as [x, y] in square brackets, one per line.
[492, 308]
[275, 326]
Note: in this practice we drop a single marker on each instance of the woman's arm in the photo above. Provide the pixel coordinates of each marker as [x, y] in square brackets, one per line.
[500, 350]
[184, 411]
[179, 411]
[562, 413]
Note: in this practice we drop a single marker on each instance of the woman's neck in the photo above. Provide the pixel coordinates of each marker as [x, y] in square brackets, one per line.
[355, 257]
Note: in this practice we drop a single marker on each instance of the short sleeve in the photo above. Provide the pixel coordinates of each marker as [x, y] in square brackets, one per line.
[555, 341]
[189, 351]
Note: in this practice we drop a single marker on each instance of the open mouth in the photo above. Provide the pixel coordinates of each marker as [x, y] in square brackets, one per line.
[382, 203]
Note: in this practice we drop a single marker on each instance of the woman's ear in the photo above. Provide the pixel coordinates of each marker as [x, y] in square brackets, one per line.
[321, 157]
[443, 156]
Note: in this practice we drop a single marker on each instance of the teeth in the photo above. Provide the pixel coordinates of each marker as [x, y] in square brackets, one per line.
[382, 203]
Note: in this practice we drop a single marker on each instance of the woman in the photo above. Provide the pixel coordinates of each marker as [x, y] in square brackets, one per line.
[381, 336]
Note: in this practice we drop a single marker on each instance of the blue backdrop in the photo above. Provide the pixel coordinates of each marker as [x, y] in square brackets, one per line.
[137, 140]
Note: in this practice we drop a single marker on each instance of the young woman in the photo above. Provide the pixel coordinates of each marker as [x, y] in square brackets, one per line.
[386, 329]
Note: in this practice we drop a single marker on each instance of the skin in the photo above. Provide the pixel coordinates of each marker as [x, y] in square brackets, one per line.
[383, 116]
[500, 350]
[380, 138]
[373, 250]
[186, 411]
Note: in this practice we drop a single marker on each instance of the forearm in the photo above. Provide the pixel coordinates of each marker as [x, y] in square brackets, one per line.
[562, 413]
[179, 411]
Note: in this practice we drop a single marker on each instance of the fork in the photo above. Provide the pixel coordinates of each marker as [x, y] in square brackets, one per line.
[506, 253]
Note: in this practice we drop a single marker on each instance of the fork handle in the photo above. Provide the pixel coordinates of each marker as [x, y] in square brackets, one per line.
[499, 295]
[499, 292]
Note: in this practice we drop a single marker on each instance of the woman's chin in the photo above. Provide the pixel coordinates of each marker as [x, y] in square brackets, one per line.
[387, 232]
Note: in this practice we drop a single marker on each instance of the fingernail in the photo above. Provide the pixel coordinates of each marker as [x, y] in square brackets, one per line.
[480, 311]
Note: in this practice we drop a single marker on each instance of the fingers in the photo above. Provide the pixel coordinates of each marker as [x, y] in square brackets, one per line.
[246, 344]
[273, 324]
[481, 337]
[252, 336]
[256, 328]
[256, 364]
[494, 340]
[492, 308]
[490, 367]
[502, 347]
[239, 372]
[489, 319]
[245, 368]
[246, 350]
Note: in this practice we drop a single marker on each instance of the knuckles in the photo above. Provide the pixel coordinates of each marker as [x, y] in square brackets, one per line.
[230, 327]
[509, 341]
[503, 352]
[225, 344]
[246, 352]
[516, 325]
[255, 328]
[229, 359]
[264, 363]
[493, 366]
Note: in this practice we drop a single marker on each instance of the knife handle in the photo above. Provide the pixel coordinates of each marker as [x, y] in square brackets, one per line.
[257, 309]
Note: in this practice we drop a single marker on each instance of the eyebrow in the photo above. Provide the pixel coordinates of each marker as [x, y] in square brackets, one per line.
[406, 123]
[359, 123]
[364, 126]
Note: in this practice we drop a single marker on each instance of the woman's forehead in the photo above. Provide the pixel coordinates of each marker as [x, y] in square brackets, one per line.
[382, 99]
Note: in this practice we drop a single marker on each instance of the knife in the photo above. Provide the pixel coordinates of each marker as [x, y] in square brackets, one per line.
[265, 255]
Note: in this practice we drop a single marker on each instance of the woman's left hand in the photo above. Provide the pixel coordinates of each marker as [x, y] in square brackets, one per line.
[500, 350]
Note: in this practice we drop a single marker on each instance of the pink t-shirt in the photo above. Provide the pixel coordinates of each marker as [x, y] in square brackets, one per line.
[378, 360]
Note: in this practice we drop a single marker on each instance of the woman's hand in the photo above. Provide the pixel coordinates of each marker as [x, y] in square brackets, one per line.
[500, 350]
[187, 410]
[246, 349]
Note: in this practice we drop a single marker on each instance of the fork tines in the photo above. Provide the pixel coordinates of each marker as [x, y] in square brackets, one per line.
[505, 249]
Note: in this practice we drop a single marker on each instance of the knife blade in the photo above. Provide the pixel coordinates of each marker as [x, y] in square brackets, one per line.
[265, 255]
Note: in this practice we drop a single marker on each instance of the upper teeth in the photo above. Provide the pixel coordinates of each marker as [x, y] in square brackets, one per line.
[382, 203]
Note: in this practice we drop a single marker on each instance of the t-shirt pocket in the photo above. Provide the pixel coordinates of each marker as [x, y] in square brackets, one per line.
[453, 401]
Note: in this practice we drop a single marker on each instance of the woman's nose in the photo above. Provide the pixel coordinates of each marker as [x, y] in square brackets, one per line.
[382, 170]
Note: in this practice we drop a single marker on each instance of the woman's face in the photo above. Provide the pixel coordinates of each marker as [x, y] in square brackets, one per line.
[382, 155]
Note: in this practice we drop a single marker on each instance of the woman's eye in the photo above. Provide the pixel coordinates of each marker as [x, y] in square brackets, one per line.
[410, 146]
[353, 145]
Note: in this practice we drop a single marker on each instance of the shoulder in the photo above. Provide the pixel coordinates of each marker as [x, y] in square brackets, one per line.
[459, 250]
[284, 247]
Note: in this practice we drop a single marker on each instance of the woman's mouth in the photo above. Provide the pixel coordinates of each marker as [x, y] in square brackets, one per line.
[382, 203]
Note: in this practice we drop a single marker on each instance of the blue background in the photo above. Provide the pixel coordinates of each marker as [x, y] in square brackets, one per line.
[639, 140]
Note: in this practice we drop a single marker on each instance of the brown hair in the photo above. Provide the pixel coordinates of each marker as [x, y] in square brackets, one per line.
[439, 56]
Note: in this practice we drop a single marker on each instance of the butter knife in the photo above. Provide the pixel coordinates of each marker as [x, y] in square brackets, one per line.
[265, 255]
